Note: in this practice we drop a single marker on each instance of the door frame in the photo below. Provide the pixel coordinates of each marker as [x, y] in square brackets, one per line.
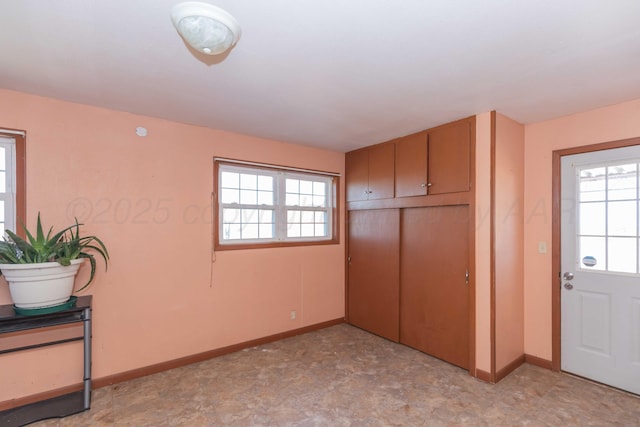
[556, 268]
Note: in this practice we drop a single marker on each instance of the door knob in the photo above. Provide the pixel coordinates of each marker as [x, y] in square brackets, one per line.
[568, 286]
[567, 276]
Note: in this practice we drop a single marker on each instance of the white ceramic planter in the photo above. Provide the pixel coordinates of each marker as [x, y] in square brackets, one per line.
[40, 285]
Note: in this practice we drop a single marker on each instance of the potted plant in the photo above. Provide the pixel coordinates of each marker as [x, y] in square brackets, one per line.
[41, 269]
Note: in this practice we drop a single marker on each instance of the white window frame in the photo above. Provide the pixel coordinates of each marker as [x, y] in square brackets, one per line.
[9, 195]
[280, 208]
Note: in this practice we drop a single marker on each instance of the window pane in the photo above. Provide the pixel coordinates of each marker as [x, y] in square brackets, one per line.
[592, 184]
[248, 182]
[266, 216]
[622, 182]
[292, 186]
[592, 218]
[319, 201]
[248, 197]
[250, 231]
[265, 183]
[321, 230]
[306, 187]
[319, 188]
[265, 198]
[230, 180]
[307, 216]
[320, 217]
[622, 254]
[250, 216]
[593, 247]
[292, 200]
[266, 231]
[231, 216]
[306, 200]
[622, 218]
[230, 196]
[7, 177]
[231, 231]
[293, 216]
[307, 230]
[293, 230]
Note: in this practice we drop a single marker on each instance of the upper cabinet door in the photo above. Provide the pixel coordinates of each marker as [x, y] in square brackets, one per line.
[370, 173]
[357, 175]
[449, 152]
[381, 171]
[411, 165]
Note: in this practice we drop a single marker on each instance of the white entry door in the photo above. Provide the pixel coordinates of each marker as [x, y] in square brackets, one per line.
[600, 258]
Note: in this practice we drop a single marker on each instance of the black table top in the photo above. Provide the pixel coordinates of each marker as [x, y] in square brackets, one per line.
[10, 321]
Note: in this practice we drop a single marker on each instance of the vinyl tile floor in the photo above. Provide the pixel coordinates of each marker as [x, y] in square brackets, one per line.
[343, 376]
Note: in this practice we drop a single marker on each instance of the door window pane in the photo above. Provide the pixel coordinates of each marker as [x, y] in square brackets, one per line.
[593, 247]
[592, 184]
[622, 182]
[622, 254]
[622, 219]
[593, 219]
[608, 218]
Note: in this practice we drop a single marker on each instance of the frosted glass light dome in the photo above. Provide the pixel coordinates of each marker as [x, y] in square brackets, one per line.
[207, 28]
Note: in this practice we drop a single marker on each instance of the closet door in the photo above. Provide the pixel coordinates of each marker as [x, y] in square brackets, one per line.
[373, 267]
[434, 295]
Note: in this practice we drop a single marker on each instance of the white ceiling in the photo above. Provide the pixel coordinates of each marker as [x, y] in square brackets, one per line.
[339, 74]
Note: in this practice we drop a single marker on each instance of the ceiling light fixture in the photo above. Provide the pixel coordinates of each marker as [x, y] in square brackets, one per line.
[207, 28]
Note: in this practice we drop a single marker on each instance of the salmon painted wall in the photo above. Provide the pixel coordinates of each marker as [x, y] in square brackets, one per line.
[165, 295]
[509, 241]
[612, 123]
[483, 242]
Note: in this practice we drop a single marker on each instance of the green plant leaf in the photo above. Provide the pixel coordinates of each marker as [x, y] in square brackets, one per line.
[62, 247]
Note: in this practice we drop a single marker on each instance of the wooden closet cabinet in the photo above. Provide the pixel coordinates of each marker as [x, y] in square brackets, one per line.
[370, 173]
[409, 257]
[435, 161]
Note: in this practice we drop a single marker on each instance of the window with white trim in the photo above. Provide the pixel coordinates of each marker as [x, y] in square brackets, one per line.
[262, 205]
[7, 184]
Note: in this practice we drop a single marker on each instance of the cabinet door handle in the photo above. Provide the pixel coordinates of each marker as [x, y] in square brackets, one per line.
[429, 184]
[423, 185]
